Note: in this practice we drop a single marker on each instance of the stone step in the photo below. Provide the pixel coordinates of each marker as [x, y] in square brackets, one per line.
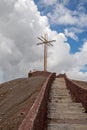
[61, 100]
[60, 97]
[60, 93]
[64, 126]
[67, 111]
[65, 106]
[62, 115]
[58, 87]
[60, 107]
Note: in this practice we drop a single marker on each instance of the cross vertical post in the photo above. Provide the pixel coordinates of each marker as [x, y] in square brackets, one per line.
[44, 40]
[45, 54]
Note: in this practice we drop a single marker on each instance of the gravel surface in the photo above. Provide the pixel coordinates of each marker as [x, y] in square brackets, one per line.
[82, 84]
[16, 98]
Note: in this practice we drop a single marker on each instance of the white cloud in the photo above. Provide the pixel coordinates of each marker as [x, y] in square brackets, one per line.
[64, 16]
[82, 55]
[71, 34]
[75, 30]
[52, 2]
[20, 25]
[77, 75]
[80, 62]
[47, 2]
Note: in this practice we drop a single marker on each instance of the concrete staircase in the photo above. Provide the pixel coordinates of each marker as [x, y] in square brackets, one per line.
[63, 113]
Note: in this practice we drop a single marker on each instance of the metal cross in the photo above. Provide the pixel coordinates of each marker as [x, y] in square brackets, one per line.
[44, 40]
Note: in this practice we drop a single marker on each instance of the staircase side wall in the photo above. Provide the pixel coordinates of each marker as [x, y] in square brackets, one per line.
[35, 119]
[78, 94]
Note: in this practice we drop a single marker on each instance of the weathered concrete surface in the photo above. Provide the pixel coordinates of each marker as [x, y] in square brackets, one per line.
[63, 113]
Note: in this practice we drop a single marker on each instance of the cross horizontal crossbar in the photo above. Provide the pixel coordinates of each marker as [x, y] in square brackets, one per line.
[40, 39]
[45, 41]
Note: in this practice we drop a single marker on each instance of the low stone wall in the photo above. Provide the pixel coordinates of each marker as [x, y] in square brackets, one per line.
[78, 94]
[38, 73]
[35, 119]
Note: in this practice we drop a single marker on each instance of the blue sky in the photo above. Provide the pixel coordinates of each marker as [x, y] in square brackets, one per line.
[76, 6]
[22, 21]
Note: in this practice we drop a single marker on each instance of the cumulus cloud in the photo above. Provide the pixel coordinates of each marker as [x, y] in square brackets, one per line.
[52, 2]
[80, 63]
[64, 16]
[82, 55]
[47, 3]
[75, 30]
[20, 25]
[71, 34]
